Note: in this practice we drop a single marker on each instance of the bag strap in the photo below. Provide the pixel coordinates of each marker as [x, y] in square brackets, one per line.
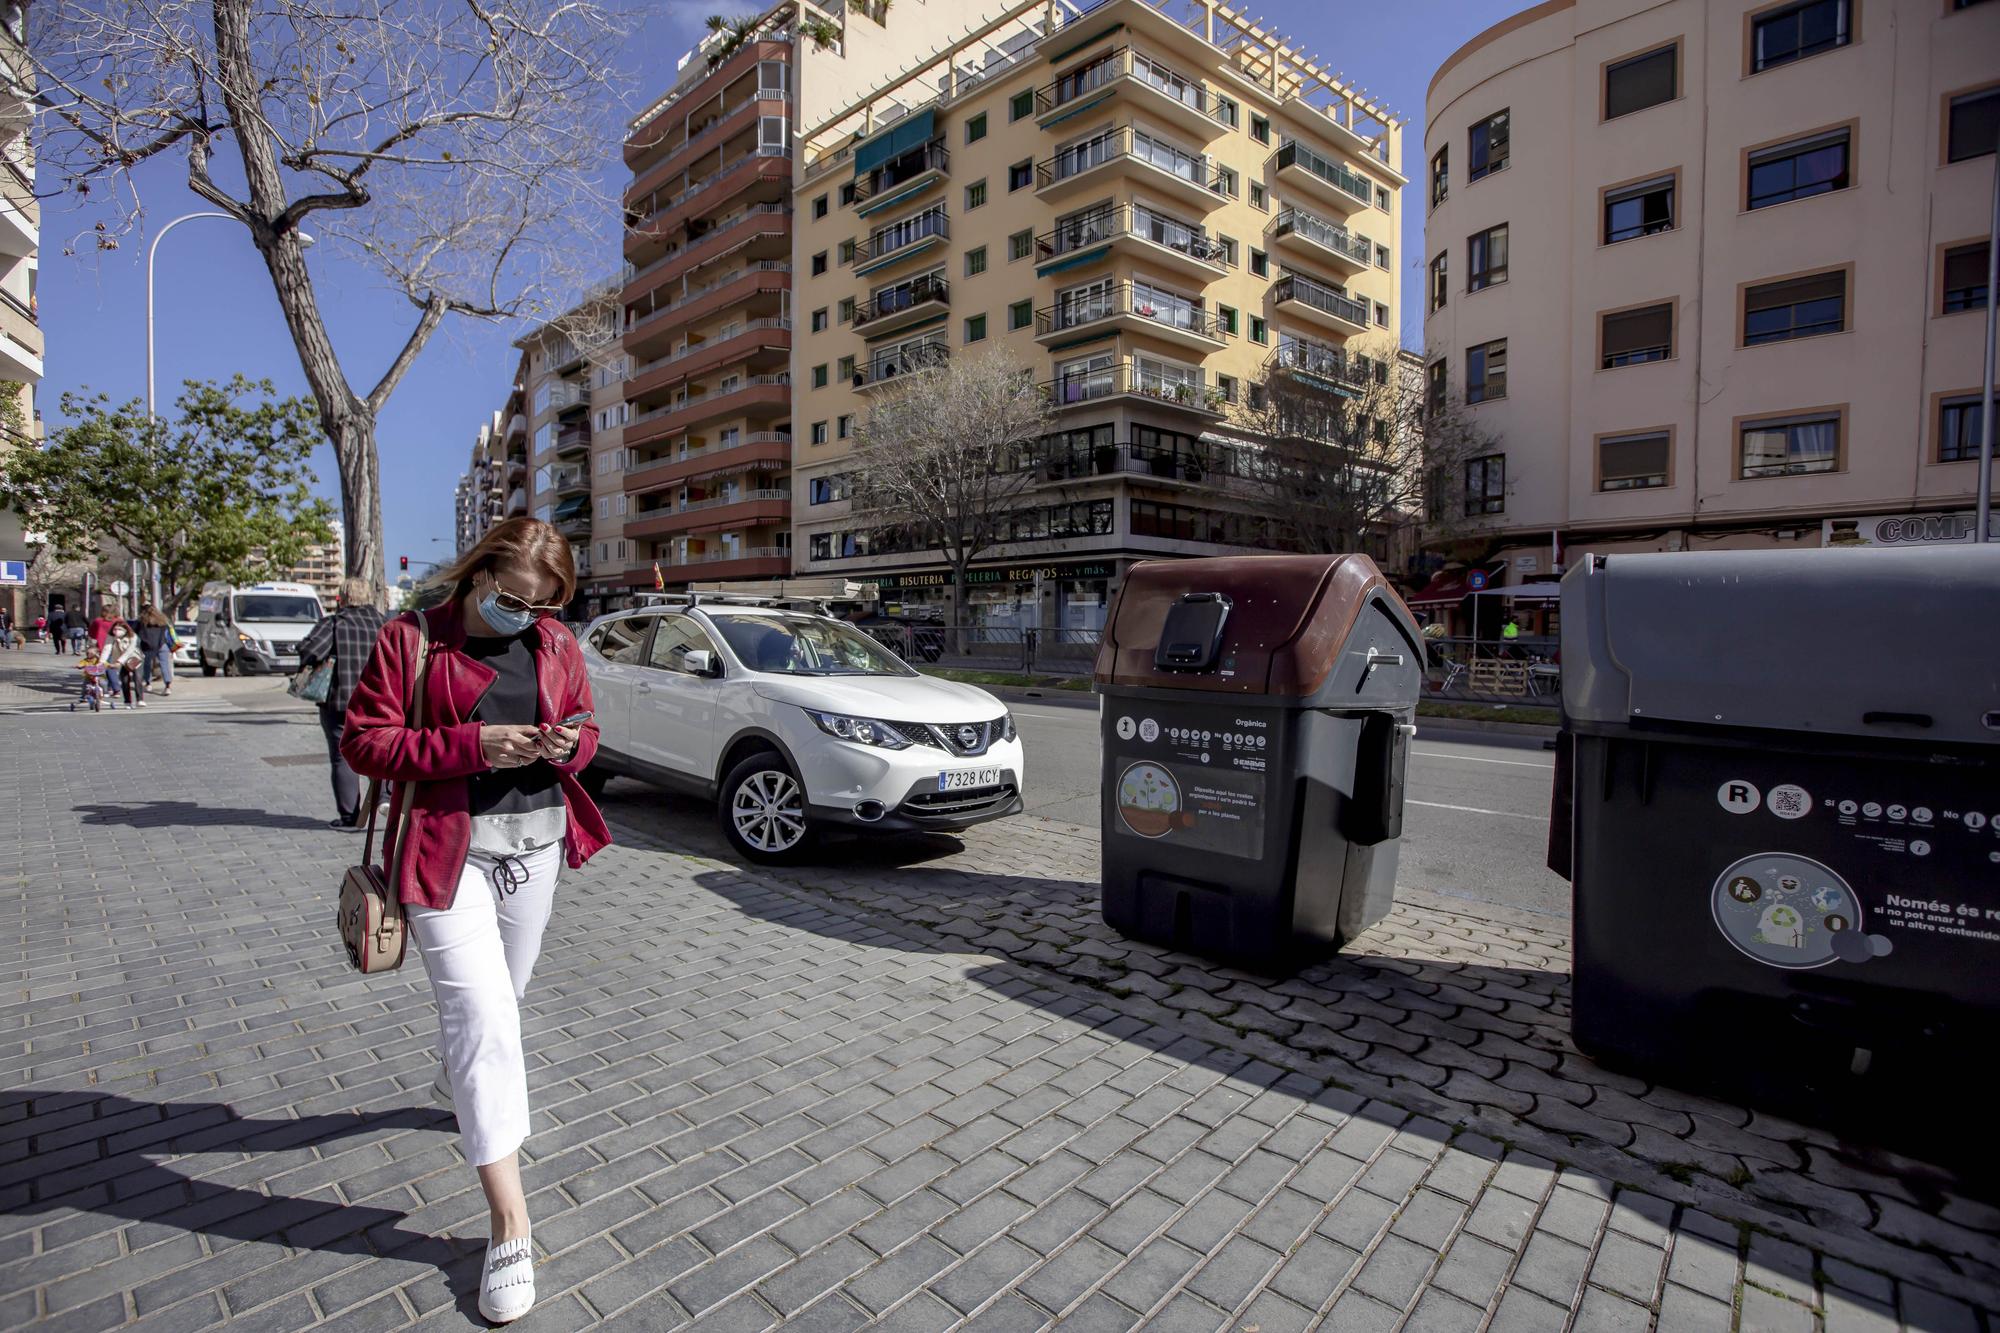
[413, 715]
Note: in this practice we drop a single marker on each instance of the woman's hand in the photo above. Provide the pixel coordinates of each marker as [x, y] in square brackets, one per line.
[559, 743]
[509, 746]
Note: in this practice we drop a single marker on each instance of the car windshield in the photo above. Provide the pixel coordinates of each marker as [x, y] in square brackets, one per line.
[276, 606]
[184, 628]
[800, 646]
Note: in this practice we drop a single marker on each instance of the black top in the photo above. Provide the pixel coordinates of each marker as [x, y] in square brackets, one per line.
[513, 699]
[152, 638]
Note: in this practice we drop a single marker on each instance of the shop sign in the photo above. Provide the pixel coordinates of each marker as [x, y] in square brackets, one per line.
[1901, 529]
[13, 573]
[995, 574]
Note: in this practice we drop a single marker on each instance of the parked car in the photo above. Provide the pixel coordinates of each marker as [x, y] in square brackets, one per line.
[254, 629]
[187, 652]
[794, 723]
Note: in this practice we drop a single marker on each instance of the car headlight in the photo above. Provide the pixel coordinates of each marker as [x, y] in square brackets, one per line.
[862, 730]
[245, 639]
[1007, 726]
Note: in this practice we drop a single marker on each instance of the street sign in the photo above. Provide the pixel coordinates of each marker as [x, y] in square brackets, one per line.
[13, 573]
[1476, 579]
[120, 587]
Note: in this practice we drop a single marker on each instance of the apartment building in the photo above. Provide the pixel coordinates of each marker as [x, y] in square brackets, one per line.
[322, 566]
[1154, 217]
[495, 484]
[20, 246]
[570, 365]
[707, 443]
[1710, 273]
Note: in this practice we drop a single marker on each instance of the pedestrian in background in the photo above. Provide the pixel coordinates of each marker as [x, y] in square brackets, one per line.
[122, 655]
[156, 648]
[56, 624]
[347, 639]
[101, 626]
[490, 781]
[6, 628]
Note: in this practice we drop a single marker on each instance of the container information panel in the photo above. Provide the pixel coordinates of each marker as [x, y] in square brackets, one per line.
[1190, 775]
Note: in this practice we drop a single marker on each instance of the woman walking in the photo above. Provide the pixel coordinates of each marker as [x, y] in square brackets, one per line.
[122, 655]
[496, 809]
[156, 649]
[347, 639]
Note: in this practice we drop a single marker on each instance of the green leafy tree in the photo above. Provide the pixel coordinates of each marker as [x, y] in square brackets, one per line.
[220, 490]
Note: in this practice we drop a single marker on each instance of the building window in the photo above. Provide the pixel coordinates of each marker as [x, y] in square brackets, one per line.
[1382, 256]
[1382, 198]
[1434, 386]
[1226, 386]
[1020, 245]
[1020, 176]
[1958, 429]
[1260, 263]
[1226, 315]
[1789, 446]
[1798, 170]
[1440, 276]
[1633, 462]
[1258, 198]
[1486, 484]
[819, 207]
[1965, 278]
[819, 320]
[1486, 371]
[975, 195]
[1641, 81]
[975, 129]
[1971, 123]
[819, 432]
[845, 369]
[1020, 315]
[1381, 315]
[845, 310]
[843, 425]
[975, 261]
[1793, 32]
[846, 253]
[975, 328]
[819, 376]
[1486, 258]
[1226, 111]
[1259, 331]
[819, 263]
[1023, 104]
[1639, 210]
[1633, 337]
[827, 490]
[1489, 147]
[1260, 129]
[1775, 312]
[1440, 176]
[1225, 182]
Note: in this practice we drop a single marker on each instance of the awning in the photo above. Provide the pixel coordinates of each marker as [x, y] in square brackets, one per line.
[1525, 592]
[910, 132]
[574, 507]
[1444, 590]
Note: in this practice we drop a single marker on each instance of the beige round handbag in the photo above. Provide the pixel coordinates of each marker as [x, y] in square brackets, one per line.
[370, 916]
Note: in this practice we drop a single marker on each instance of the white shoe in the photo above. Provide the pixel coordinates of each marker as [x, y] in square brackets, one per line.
[507, 1282]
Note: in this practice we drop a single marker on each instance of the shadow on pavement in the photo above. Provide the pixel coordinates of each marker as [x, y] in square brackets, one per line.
[188, 814]
[92, 1153]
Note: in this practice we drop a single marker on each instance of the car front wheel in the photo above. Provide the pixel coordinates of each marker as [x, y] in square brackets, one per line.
[763, 810]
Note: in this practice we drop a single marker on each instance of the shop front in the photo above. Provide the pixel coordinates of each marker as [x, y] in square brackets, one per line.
[1071, 597]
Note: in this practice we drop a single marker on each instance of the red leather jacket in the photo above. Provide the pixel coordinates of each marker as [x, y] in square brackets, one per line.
[430, 765]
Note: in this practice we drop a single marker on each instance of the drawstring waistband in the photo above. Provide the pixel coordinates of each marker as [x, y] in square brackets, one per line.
[508, 874]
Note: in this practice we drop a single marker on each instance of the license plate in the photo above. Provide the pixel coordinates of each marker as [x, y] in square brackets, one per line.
[965, 779]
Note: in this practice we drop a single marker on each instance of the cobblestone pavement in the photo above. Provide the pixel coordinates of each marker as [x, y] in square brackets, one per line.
[926, 1089]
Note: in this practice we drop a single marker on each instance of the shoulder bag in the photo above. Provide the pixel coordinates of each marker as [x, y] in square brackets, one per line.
[370, 915]
[312, 684]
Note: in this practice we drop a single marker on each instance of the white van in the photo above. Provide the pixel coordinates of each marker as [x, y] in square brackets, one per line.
[256, 628]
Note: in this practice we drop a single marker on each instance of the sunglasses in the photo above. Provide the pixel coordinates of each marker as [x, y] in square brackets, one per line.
[513, 605]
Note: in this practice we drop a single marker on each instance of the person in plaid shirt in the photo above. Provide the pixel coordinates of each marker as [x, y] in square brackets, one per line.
[347, 637]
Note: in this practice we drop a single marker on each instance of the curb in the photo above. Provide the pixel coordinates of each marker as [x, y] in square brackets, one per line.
[1079, 699]
[1542, 730]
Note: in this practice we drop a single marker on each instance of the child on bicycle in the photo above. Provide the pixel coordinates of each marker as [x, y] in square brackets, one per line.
[96, 687]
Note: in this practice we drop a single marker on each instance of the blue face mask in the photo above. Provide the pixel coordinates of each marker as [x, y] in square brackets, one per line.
[506, 622]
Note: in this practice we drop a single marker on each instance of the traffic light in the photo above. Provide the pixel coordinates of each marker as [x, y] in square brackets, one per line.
[406, 563]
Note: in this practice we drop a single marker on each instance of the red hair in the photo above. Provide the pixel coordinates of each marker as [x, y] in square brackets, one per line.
[526, 543]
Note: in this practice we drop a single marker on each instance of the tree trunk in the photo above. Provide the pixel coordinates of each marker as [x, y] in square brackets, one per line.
[960, 607]
[361, 502]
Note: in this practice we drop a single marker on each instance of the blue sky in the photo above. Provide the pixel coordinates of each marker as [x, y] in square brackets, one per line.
[217, 316]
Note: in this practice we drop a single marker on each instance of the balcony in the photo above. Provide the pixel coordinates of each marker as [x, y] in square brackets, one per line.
[718, 130]
[762, 232]
[517, 426]
[20, 212]
[569, 481]
[729, 563]
[1322, 178]
[1138, 81]
[903, 305]
[890, 366]
[643, 141]
[762, 175]
[21, 344]
[1321, 365]
[766, 450]
[572, 517]
[743, 509]
[766, 283]
[1115, 461]
[1128, 154]
[903, 240]
[1132, 309]
[1300, 295]
[1312, 237]
[763, 344]
[1185, 391]
[568, 396]
[759, 398]
[573, 438]
[1137, 232]
[901, 179]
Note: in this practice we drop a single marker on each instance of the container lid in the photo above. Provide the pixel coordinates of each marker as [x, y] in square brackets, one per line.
[1881, 642]
[1288, 617]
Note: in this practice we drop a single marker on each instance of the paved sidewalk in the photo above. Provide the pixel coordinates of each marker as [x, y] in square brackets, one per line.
[925, 1090]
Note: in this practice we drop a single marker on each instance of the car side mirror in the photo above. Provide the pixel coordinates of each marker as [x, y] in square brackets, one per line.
[701, 662]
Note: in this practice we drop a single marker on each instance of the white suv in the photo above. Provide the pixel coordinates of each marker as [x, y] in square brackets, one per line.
[793, 723]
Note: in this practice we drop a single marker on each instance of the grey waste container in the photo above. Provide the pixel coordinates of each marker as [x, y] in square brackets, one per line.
[1780, 778]
[1256, 715]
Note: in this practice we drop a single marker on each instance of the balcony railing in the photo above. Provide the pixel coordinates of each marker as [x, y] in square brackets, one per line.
[1306, 356]
[573, 437]
[1107, 224]
[749, 382]
[930, 287]
[712, 557]
[1312, 227]
[933, 156]
[749, 326]
[902, 235]
[562, 397]
[710, 181]
[1295, 287]
[694, 294]
[716, 129]
[1122, 143]
[1186, 388]
[1125, 299]
[1122, 64]
[726, 229]
[905, 360]
[1351, 183]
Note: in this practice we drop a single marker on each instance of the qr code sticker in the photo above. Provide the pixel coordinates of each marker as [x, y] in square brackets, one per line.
[1790, 802]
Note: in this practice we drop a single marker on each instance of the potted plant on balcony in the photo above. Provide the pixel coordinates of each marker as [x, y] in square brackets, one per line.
[1183, 392]
[1105, 458]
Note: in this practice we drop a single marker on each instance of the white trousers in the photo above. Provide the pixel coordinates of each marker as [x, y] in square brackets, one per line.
[479, 953]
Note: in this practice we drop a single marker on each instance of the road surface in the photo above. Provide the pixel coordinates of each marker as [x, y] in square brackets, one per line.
[1475, 826]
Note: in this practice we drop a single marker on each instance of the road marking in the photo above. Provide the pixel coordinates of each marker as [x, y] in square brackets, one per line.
[1475, 810]
[1473, 759]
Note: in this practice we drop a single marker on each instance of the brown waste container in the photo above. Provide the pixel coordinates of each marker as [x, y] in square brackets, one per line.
[1256, 716]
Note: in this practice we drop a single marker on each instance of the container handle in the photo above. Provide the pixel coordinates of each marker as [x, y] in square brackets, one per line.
[1873, 719]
